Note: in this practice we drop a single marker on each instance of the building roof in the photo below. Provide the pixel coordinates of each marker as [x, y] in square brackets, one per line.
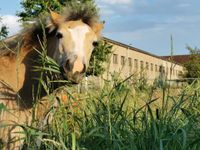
[130, 47]
[178, 59]
[181, 59]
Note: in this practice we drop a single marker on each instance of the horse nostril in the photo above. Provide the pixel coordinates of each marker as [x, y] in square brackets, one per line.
[84, 69]
[67, 65]
[75, 57]
[74, 64]
[61, 69]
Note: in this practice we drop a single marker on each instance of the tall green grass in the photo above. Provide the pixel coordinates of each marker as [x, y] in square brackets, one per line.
[115, 117]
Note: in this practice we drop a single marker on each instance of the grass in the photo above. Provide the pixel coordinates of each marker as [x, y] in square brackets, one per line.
[115, 117]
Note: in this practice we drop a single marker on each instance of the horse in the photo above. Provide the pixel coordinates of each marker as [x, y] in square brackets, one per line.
[70, 38]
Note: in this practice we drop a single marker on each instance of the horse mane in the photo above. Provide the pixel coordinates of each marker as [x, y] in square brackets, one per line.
[10, 45]
[88, 13]
[34, 31]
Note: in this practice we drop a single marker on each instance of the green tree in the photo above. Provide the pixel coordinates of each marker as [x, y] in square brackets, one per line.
[33, 9]
[3, 31]
[100, 56]
[193, 65]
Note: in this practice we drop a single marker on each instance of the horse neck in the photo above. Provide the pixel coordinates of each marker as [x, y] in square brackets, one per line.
[17, 65]
[32, 55]
[51, 46]
[17, 70]
[46, 44]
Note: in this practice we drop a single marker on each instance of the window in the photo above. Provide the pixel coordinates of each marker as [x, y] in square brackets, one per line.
[151, 67]
[147, 65]
[136, 63]
[129, 61]
[180, 73]
[160, 69]
[141, 65]
[171, 71]
[122, 60]
[115, 59]
[156, 68]
[167, 70]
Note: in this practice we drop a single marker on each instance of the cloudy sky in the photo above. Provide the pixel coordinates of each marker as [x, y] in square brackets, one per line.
[145, 24]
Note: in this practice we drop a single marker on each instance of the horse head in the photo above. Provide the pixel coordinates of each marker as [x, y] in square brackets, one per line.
[72, 44]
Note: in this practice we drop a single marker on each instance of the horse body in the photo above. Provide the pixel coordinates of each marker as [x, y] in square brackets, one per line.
[69, 43]
[12, 72]
[16, 81]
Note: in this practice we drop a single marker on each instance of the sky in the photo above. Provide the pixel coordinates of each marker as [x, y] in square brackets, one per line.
[144, 24]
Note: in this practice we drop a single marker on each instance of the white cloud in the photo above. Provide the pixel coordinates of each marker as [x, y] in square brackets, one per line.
[184, 5]
[12, 23]
[117, 1]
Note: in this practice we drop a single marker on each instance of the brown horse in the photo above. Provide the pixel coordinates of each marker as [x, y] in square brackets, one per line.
[70, 39]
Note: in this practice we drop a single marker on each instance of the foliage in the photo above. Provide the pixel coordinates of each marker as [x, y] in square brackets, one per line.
[160, 82]
[100, 57]
[3, 31]
[141, 83]
[33, 9]
[114, 118]
[193, 65]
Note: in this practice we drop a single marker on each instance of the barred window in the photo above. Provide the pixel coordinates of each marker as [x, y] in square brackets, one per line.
[160, 68]
[141, 65]
[151, 67]
[156, 68]
[115, 59]
[167, 70]
[129, 61]
[147, 65]
[136, 63]
[122, 60]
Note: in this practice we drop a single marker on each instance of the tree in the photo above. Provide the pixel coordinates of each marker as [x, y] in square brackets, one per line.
[193, 65]
[100, 56]
[33, 9]
[3, 31]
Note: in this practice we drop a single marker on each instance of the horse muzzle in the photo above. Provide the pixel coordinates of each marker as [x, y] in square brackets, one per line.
[73, 70]
[74, 78]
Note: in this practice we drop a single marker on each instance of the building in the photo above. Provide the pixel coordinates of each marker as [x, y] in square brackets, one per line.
[128, 60]
[180, 59]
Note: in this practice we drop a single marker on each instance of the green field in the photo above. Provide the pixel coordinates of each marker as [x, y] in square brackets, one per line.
[122, 115]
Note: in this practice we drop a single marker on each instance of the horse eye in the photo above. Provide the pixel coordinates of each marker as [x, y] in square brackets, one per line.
[59, 35]
[95, 43]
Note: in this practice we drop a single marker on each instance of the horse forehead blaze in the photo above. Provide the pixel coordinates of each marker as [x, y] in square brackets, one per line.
[77, 38]
[80, 33]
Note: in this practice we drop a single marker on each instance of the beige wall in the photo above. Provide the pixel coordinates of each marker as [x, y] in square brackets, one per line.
[128, 69]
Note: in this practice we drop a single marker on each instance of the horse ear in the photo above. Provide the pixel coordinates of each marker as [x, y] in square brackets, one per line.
[97, 27]
[56, 18]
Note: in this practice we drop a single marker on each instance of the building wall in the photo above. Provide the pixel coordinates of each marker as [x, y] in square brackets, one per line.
[127, 61]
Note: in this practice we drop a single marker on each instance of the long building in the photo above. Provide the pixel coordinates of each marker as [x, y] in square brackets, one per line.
[128, 60]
